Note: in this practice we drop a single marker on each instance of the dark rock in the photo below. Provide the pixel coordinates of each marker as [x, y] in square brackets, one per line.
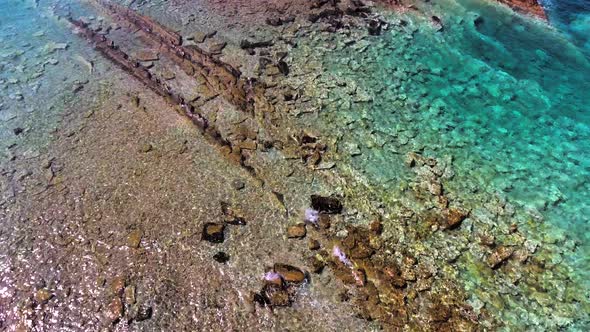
[261, 299]
[275, 296]
[246, 44]
[313, 244]
[326, 13]
[374, 27]
[231, 216]
[213, 233]
[18, 130]
[283, 67]
[274, 21]
[437, 23]
[376, 227]
[221, 257]
[324, 204]
[454, 217]
[144, 313]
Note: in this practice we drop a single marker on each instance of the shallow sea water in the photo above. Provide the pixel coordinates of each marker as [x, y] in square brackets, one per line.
[505, 96]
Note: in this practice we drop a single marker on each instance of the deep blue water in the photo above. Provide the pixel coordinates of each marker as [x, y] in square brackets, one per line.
[573, 17]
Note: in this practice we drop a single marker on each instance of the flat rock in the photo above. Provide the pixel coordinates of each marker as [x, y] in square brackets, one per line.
[289, 273]
[147, 55]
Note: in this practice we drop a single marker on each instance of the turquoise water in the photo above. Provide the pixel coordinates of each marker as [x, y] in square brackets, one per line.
[505, 96]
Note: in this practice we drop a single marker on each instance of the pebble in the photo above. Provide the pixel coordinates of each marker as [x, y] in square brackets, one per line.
[143, 313]
[134, 238]
[217, 47]
[296, 231]
[114, 310]
[145, 147]
[118, 285]
[42, 296]
[238, 184]
[221, 257]
[130, 295]
[313, 244]
[289, 273]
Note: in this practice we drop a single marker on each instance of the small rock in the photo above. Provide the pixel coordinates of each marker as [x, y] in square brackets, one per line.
[328, 205]
[213, 233]
[145, 147]
[114, 310]
[221, 257]
[275, 296]
[217, 47]
[289, 273]
[500, 255]
[199, 37]
[238, 184]
[283, 67]
[376, 227]
[130, 295]
[313, 244]
[296, 231]
[324, 221]
[143, 313]
[134, 238]
[42, 296]
[455, 217]
[147, 55]
[18, 130]
[118, 285]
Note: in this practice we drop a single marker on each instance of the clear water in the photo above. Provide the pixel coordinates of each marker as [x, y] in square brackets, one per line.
[506, 96]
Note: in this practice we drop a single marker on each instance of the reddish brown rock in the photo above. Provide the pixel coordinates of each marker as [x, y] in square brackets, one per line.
[500, 255]
[289, 273]
[296, 231]
[526, 6]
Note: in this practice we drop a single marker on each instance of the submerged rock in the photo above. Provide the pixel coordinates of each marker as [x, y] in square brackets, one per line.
[289, 273]
[114, 310]
[221, 257]
[296, 231]
[324, 204]
[143, 313]
[213, 233]
[501, 254]
[42, 296]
